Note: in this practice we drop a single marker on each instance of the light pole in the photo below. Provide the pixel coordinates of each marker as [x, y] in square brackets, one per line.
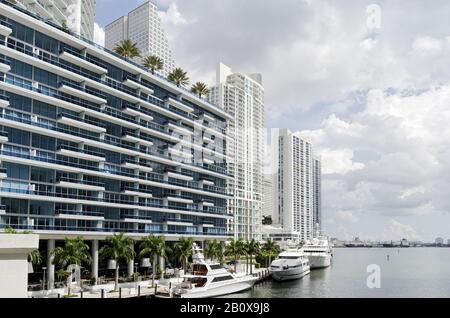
[43, 279]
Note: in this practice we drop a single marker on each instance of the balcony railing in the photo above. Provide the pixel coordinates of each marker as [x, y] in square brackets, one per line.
[92, 43]
[26, 84]
[83, 151]
[77, 54]
[85, 182]
[80, 213]
[39, 227]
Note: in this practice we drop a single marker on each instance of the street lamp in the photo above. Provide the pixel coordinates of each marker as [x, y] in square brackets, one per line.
[43, 278]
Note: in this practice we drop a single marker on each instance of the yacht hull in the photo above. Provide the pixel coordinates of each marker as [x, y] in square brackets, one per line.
[290, 273]
[235, 287]
[319, 261]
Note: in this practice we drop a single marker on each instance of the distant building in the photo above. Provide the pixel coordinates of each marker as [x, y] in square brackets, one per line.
[269, 202]
[448, 242]
[317, 193]
[293, 159]
[439, 241]
[242, 96]
[77, 15]
[142, 26]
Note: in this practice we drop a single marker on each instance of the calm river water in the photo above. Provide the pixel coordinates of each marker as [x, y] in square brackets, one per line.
[409, 272]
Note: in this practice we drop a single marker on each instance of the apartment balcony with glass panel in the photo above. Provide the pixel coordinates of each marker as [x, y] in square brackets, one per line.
[137, 139]
[5, 28]
[179, 104]
[3, 137]
[84, 93]
[79, 184]
[177, 174]
[137, 165]
[79, 215]
[76, 58]
[75, 121]
[80, 153]
[5, 65]
[133, 83]
[137, 192]
[4, 101]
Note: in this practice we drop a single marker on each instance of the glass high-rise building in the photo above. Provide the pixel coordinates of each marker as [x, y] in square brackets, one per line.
[142, 26]
[93, 145]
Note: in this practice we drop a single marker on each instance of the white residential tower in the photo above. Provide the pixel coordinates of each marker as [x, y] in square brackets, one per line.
[242, 96]
[77, 15]
[293, 159]
[142, 26]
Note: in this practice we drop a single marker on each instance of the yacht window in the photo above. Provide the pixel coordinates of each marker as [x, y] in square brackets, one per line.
[288, 257]
[216, 266]
[221, 278]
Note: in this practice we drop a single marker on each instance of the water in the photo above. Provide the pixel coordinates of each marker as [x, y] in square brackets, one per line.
[409, 272]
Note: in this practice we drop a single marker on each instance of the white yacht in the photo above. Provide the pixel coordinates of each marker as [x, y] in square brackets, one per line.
[210, 279]
[290, 264]
[319, 251]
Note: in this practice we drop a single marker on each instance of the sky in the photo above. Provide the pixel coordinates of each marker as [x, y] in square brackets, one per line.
[366, 82]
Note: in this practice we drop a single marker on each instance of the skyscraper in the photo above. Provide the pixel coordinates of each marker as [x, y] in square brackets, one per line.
[269, 201]
[92, 145]
[142, 26]
[77, 15]
[317, 193]
[242, 96]
[294, 190]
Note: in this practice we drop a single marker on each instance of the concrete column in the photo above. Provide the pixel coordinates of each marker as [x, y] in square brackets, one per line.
[130, 268]
[50, 265]
[94, 264]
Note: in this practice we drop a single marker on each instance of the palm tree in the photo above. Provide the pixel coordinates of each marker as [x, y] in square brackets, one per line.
[179, 77]
[213, 250]
[183, 249]
[270, 249]
[118, 247]
[35, 257]
[200, 89]
[236, 248]
[154, 63]
[153, 246]
[127, 49]
[74, 252]
[252, 248]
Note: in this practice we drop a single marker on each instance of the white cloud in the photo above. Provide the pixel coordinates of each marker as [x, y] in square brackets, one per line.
[172, 15]
[99, 34]
[409, 176]
[398, 231]
[347, 216]
[427, 45]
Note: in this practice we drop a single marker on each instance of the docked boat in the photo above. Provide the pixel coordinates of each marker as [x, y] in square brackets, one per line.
[210, 279]
[290, 264]
[319, 251]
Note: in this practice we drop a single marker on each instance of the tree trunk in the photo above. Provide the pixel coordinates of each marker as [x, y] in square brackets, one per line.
[251, 264]
[116, 278]
[153, 271]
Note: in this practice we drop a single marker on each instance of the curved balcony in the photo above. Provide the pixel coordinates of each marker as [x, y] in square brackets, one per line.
[5, 28]
[75, 121]
[79, 184]
[74, 152]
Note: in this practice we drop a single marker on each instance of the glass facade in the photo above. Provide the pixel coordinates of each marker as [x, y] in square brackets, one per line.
[91, 143]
